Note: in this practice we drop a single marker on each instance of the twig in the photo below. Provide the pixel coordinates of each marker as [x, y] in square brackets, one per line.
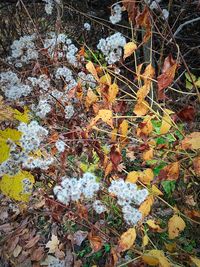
[184, 24]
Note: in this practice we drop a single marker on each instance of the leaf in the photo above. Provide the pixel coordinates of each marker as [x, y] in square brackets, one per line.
[115, 156]
[131, 7]
[167, 76]
[170, 172]
[141, 109]
[5, 151]
[195, 260]
[105, 115]
[145, 240]
[156, 191]
[112, 92]
[175, 225]
[17, 187]
[148, 155]
[146, 176]
[6, 113]
[145, 207]
[129, 48]
[32, 242]
[144, 20]
[196, 164]
[132, 177]
[187, 114]
[191, 141]
[123, 130]
[156, 257]
[9, 133]
[145, 127]
[127, 240]
[170, 247]
[17, 251]
[53, 244]
[154, 226]
[166, 122]
[106, 79]
[96, 242]
[22, 116]
[91, 68]
[90, 98]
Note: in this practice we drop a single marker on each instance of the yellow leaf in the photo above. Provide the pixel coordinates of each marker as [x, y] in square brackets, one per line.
[166, 122]
[195, 260]
[145, 207]
[91, 68]
[112, 92]
[146, 127]
[148, 155]
[141, 108]
[9, 133]
[153, 225]
[113, 135]
[155, 257]
[90, 98]
[129, 48]
[170, 247]
[17, 187]
[132, 177]
[123, 130]
[105, 115]
[191, 141]
[6, 113]
[106, 79]
[127, 239]
[53, 244]
[156, 191]
[4, 151]
[146, 176]
[175, 225]
[22, 116]
[145, 240]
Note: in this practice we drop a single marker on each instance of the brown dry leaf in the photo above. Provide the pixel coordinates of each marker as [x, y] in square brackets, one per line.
[129, 48]
[190, 200]
[132, 177]
[195, 260]
[6, 113]
[148, 155]
[79, 237]
[144, 20]
[170, 172]
[131, 7]
[167, 76]
[53, 244]
[145, 207]
[145, 127]
[156, 257]
[37, 254]
[127, 240]
[32, 242]
[106, 79]
[175, 225]
[154, 226]
[196, 164]
[191, 141]
[91, 68]
[112, 92]
[96, 242]
[166, 122]
[90, 98]
[141, 108]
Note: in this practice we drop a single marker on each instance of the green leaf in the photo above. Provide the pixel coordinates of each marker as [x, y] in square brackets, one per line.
[187, 76]
[158, 168]
[169, 187]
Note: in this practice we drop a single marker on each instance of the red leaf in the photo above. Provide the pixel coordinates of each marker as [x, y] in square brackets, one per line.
[115, 156]
[187, 114]
[131, 8]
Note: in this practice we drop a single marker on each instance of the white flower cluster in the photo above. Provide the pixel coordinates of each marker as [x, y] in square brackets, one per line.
[154, 5]
[87, 79]
[99, 207]
[42, 82]
[60, 145]
[66, 74]
[32, 135]
[23, 50]
[12, 86]
[116, 14]
[69, 111]
[87, 26]
[49, 4]
[112, 47]
[61, 46]
[37, 162]
[127, 194]
[72, 189]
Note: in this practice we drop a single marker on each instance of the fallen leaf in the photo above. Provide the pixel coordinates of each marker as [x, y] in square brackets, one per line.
[129, 48]
[148, 155]
[112, 92]
[96, 242]
[170, 247]
[53, 244]
[132, 177]
[115, 156]
[156, 191]
[145, 207]
[131, 7]
[123, 130]
[144, 20]
[175, 225]
[37, 254]
[127, 240]
[105, 115]
[196, 164]
[145, 127]
[90, 98]
[91, 68]
[146, 176]
[190, 200]
[187, 114]
[166, 122]
[195, 260]
[145, 240]
[170, 172]
[191, 141]
[156, 257]
[17, 251]
[79, 237]
[106, 79]
[32, 242]
[141, 108]
[6, 113]
[154, 226]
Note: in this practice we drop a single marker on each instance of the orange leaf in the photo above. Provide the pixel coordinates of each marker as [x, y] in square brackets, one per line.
[146, 176]
[141, 108]
[127, 240]
[129, 48]
[144, 20]
[145, 207]
[145, 128]
[90, 98]
[112, 92]
[95, 242]
[91, 68]
[131, 8]
[166, 122]
[196, 164]
[170, 172]
[123, 130]
[148, 155]
[105, 115]
[175, 225]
